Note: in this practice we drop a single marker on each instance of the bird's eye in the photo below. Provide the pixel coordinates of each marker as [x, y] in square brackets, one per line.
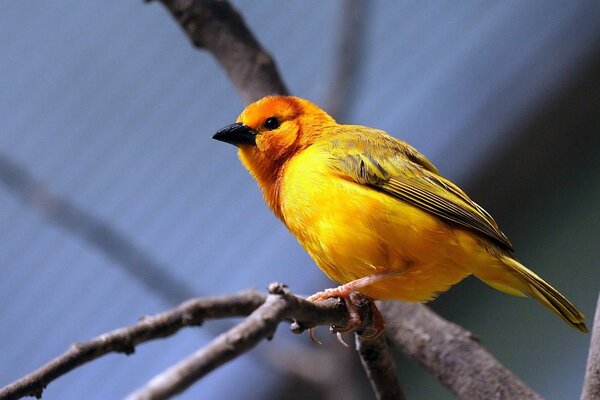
[272, 123]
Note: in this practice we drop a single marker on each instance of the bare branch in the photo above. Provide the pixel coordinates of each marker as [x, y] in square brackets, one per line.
[451, 354]
[190, 313]
[219, 28]
[591, 384]
[328, 370]
[261, 324]
[380, 367]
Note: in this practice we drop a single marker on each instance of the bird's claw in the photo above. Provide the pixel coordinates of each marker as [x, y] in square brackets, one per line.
[354, 318]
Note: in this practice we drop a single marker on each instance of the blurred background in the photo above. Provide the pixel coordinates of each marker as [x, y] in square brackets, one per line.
[115, 202]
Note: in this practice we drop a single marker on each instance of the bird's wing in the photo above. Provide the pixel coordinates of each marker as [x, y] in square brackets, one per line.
[393, 167]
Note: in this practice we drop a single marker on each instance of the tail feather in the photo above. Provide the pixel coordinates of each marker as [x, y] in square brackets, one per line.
[527, 282]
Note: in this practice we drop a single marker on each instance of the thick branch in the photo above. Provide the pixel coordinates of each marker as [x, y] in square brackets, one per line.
[219, 28]
[591, 384]
[380, 367]
[451, 354]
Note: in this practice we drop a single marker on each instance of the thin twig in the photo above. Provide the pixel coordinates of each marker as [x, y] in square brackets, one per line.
[216, 26]
[380, 367]
[190, 313]
[261, 324]
[591, 384]
[451, 354]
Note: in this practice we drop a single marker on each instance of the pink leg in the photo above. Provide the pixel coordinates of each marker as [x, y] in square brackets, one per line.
[344, 291]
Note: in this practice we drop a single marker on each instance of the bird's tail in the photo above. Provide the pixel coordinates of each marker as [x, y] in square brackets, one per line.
[521, 281]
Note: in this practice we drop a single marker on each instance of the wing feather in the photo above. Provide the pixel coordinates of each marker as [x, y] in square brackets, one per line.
[395, 168]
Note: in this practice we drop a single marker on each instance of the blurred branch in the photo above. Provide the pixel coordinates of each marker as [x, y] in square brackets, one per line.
[348, 59]
[380, 367]
[98, 233]
[261, 324]
[265, 313]
[451, 354]
[217, 27]
[329, 370]
[190, 313]
[591, 384]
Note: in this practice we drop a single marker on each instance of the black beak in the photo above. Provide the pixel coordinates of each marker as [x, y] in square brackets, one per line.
[236, 134]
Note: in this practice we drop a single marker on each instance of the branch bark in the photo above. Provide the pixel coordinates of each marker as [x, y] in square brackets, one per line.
[380, 367]
[217, 27]
[261, 324]
[591, 384]
[190, 313]
[451, 354]
[193, 313]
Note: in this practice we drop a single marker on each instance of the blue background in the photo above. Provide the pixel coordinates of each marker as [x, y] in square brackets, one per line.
[115, 202]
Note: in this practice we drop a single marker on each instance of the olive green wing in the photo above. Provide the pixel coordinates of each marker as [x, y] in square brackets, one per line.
[393, 167]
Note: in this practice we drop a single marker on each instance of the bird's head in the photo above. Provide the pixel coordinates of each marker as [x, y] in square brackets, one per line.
[273, 129]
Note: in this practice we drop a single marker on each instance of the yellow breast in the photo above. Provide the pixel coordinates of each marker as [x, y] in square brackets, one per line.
[352, 230]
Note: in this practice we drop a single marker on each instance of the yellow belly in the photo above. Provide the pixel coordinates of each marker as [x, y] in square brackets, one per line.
[352, 231]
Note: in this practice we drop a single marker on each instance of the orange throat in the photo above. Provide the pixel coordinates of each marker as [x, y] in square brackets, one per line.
[268, 174]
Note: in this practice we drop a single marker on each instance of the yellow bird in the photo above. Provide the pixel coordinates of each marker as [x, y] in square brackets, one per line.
[374, 213]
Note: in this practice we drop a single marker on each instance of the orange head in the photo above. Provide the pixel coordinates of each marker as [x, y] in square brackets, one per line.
[270, 131]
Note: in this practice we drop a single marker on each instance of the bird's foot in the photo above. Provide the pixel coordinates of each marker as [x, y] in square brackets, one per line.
[347, 292]
[354, 319]
[378, 324]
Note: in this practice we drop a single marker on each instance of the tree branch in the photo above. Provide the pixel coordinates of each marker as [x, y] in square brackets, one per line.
[219, 28]
[380, 367]
[190, 313]
[261, 324]
[591, 384]
[451, 354]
